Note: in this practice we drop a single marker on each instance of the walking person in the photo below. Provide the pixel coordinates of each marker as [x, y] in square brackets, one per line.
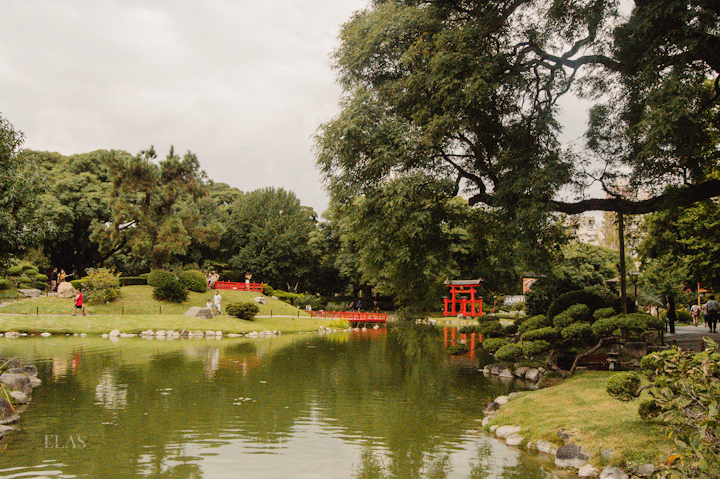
[79, 304]
[216, 300]
[711, 315]
[53, 279]
[695, 313]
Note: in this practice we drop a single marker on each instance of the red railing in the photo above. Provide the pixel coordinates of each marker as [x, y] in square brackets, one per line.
[351, 316]
[239, 286]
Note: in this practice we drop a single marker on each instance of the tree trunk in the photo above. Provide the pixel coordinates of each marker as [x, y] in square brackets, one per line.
[622, 268]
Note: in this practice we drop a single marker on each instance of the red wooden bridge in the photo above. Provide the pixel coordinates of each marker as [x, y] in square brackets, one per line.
[239, 286]
[352, 316]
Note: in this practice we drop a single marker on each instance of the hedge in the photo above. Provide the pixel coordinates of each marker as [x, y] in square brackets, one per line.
[133, 281]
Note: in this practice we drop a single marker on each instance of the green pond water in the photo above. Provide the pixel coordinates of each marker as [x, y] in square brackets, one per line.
[343, 405]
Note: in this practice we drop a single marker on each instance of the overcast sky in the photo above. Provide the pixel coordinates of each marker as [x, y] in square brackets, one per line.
[244, 84]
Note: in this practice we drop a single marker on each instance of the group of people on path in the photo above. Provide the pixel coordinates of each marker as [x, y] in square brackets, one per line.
[709, 310]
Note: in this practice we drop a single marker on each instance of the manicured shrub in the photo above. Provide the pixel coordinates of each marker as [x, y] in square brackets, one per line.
[491, 345]
[39, 285]
[535, 348]
[77, 284]
[156, 276]
[245, 310]
[604, 313]
[101, 285]
[577, 331]
[41, 278]
[133, 281]
[624, 386]
[167, 287]
[14, 270]
[534, 323]
[563, 320]
[509, 353]
[579, 312]
[492, 330]
[6, 284]
[547, 333]
[193, 280]
[268, 290]
[592, 300]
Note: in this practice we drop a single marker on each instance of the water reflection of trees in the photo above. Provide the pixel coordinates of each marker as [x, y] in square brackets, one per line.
[398, 398]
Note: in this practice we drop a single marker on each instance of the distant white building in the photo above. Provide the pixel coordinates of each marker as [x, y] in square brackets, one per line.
[587, 229]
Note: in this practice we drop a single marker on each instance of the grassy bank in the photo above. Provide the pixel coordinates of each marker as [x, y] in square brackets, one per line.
[595, 421]
[136, 310]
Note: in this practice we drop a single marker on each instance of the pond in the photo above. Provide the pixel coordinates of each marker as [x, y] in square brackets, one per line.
[363, 405]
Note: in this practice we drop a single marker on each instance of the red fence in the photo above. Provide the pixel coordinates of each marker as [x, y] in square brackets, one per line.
[351, 316]
[239, 286]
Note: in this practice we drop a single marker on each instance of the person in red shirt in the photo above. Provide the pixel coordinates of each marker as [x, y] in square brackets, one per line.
[79, 304]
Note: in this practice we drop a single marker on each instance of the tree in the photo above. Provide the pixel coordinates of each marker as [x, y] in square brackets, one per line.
[74, 202]
[269, 231]
[20, 184]
[155, 210]
[469, 90]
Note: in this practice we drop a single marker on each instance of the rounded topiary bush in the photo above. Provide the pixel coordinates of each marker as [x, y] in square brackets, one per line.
[535, 348]
[41, 278]
[604, 313]
[168, 288]
[592, 300]
[534, 323]
[509, 353]
[493, 344]
[244, 310]
[547, 333]
[5, 284]
[156, 276]
[624, 386]
[193, 280]
[268, 290]
[14, 270]
[492, 330]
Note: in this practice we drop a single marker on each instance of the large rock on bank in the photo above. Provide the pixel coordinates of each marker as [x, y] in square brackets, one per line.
[198, 312]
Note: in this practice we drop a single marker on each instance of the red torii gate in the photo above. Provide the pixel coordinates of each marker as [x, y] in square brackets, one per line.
[464, 306]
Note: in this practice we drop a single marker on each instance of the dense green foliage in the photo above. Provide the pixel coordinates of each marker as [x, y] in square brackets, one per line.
[683, 388]
[167, 287]
[101, 285]
[244, 310]
[193, 280]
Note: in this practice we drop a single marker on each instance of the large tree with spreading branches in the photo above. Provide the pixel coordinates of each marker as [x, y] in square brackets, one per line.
[469, 90]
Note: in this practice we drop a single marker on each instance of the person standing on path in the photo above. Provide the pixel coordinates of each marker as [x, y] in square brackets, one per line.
[79, 304]
[216, 299]
[711, 318]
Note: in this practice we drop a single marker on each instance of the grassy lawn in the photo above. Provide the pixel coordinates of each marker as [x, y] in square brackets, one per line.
[136, 310]
[594, 420]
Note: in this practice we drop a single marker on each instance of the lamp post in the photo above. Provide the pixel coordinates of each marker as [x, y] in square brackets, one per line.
[633, 277]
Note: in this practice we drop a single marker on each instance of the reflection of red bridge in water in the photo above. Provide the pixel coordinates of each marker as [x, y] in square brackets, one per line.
[352, 316]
